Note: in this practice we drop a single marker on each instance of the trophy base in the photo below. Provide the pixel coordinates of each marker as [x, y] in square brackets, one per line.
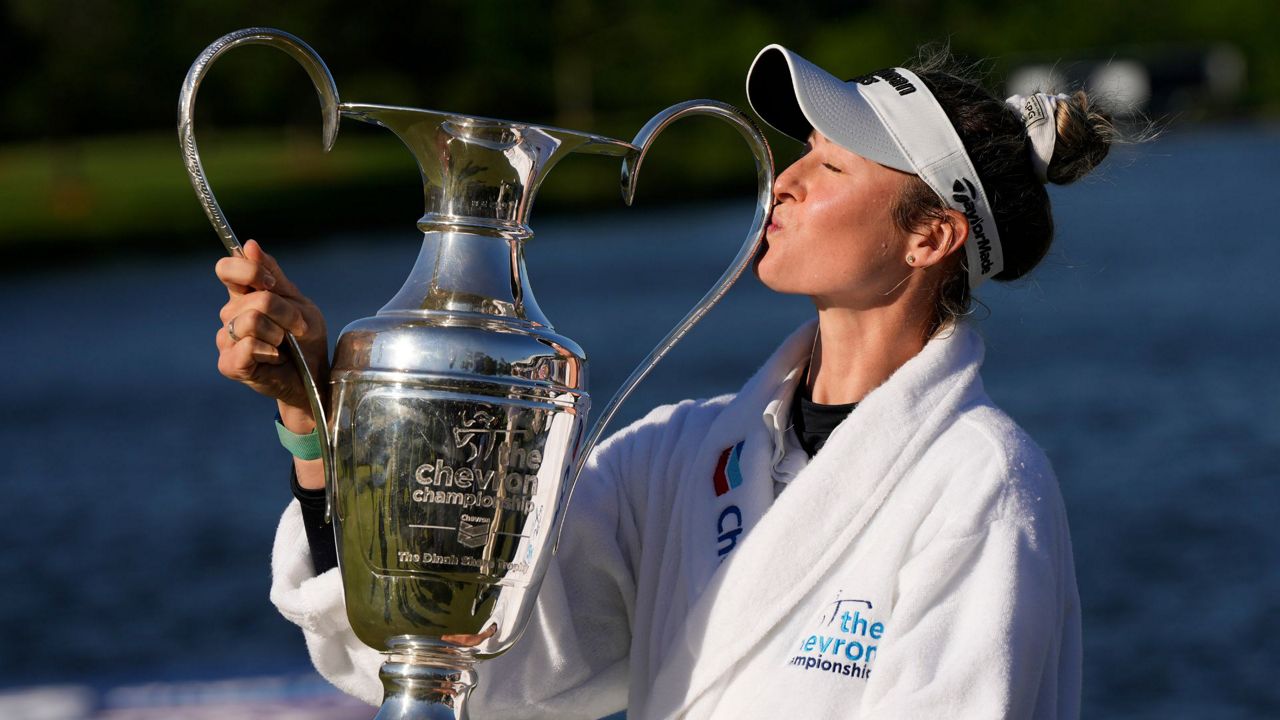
[426, 683]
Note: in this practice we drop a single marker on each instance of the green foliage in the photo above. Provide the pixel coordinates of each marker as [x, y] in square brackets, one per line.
[87, 107]
[134, 187]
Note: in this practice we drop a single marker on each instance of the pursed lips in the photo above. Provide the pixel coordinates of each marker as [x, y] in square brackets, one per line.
[774, 225]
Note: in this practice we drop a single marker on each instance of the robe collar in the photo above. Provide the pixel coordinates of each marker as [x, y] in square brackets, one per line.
[832, 499]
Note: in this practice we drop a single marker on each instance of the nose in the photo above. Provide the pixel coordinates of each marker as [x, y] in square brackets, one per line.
[787, 186]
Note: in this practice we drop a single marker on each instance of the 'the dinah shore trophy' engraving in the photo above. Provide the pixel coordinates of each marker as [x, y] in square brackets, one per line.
[455, 425]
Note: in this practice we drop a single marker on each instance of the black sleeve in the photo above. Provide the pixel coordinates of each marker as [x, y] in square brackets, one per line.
[324, 551]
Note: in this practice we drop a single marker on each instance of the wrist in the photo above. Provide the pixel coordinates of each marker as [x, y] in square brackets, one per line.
[303, 446]
[297, 420]
[309, 474]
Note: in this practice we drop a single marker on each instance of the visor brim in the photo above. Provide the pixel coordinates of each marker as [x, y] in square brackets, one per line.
[795, 97]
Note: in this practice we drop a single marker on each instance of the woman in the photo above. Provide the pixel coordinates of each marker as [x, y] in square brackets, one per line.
[859, 532]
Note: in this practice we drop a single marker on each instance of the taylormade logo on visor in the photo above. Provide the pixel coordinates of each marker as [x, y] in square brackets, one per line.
[964, 194]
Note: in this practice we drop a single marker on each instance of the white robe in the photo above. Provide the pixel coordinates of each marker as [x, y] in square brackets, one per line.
[918, 567]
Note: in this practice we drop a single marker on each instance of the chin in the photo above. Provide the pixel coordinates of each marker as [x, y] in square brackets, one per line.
[777, 281]
[763, 266]
[771, 270]
[758, 260]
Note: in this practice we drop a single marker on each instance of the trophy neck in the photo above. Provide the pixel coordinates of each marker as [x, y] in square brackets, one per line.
[426, 681]
[479, 174]
[459, 272]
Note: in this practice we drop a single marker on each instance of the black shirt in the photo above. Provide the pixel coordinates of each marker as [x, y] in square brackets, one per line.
[813, 422]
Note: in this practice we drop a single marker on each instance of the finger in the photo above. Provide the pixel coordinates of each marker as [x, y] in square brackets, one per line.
[241, 361]
[261, 352]
[254, 324]
[234, 307]
[282, 312]
[253, 250]
[246, 354]
[222, 339]
[237, 363]
[242, 275]
[237, 304]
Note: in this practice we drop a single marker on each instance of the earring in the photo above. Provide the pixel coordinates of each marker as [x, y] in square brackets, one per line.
[911, 259]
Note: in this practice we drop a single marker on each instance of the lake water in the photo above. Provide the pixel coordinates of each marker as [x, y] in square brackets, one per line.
[142, 489]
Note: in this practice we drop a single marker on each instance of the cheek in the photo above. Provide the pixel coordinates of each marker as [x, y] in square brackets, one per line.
[868, 233]
[850, 236]
[838, 242]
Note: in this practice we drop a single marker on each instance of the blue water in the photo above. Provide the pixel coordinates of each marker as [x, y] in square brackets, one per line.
[141, 489]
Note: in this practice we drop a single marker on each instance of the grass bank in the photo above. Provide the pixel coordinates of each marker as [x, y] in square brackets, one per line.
[96, 196]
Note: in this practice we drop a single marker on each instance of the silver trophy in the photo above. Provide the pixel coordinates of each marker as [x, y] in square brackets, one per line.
[456, 420]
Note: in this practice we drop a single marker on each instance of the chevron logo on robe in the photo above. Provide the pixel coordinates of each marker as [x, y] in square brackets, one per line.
[728, 474]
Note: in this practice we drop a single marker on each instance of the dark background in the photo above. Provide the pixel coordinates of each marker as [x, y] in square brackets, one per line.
[88, 94]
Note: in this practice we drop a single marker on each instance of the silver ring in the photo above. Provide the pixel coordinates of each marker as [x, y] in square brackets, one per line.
[231, 330]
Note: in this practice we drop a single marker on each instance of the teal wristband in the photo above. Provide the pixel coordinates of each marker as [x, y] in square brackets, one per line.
[303, 447]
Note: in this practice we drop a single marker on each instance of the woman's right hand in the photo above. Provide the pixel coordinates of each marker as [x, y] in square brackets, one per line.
[263, 304]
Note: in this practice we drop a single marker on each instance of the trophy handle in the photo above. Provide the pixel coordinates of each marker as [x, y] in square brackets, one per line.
[746, 254]
[328, 92]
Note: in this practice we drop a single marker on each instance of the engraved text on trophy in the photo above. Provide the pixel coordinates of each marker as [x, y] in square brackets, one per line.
[477, 481]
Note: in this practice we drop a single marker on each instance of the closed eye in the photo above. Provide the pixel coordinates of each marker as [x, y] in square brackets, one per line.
[831, 167]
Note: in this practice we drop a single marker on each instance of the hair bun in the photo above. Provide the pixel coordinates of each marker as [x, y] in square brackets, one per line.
[1084, 137]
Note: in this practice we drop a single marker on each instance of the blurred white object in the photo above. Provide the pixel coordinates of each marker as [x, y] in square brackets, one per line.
[52, 702]
[1152, 79]
[1122, 86]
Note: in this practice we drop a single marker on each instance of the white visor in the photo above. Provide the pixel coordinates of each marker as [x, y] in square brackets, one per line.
[888, 116]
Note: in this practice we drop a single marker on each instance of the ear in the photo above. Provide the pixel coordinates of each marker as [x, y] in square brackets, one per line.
[937, 239]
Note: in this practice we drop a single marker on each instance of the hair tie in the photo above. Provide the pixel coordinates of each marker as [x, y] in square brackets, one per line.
[1039, 114]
